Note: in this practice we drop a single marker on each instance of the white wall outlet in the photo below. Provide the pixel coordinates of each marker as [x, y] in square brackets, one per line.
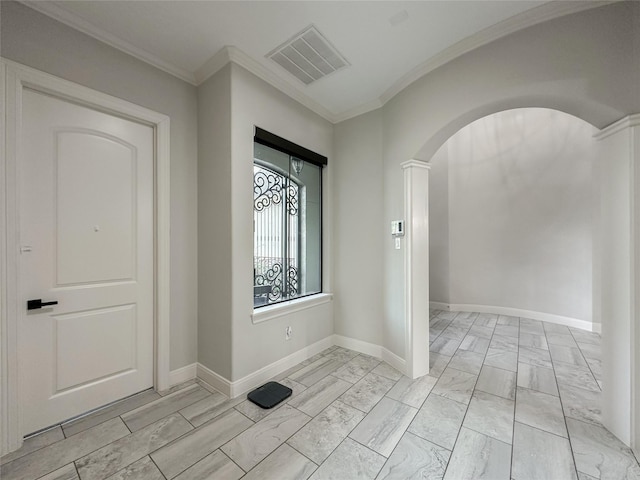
[287, 333]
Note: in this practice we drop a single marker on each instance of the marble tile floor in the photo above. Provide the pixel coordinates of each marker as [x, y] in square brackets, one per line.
[506, 398]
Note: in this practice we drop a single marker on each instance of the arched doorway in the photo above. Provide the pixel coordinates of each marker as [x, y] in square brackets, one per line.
[618, 171]
[513, 206]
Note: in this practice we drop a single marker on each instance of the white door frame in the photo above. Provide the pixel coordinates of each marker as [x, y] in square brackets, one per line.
[14, 78]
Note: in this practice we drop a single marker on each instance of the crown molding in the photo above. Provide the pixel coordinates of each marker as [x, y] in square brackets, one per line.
[624, 123]
[543, 13]
[237, 56]
[547, 11]
[213, 65]
[62, 15]
[359, 110]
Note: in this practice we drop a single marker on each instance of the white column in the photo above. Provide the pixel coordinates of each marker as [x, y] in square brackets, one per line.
[619, 251]
[416, 266]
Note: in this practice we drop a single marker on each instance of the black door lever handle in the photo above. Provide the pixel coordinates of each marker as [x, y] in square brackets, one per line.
[38, 303]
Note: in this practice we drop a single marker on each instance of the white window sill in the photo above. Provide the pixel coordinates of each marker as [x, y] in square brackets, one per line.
[270, 312]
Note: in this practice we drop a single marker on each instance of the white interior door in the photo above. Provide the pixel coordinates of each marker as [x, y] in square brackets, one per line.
[86, 235]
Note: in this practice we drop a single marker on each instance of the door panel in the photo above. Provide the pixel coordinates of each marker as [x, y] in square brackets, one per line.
[96, 236]
[107, 336]
[86, 231]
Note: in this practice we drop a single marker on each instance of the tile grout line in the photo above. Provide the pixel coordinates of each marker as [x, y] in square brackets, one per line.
[347, 436]
[472, 392]
[312, 417]
[230, 459]
[564, 416]
[294, 448]
[553, 365]
[405, 430]
[75, 467]
[515, 404]
[154, 462]
[76, 459]
[426, 439]
[37, 449]
[585, 359]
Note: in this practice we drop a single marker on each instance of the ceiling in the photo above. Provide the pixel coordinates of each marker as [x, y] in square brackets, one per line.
[387, 43]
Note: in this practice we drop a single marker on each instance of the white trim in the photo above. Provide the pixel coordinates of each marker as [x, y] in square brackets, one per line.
[521, 313]
[635, 285]
[5, 443]
[238, 57]
[213, 65]
[394, 360]
[278, 310]
[596, 327]
[439, 306]
[10, 437]
[257, 378]
[373, 350]
[59, 13]
[17, 77]
[415, 163]
[357, 111]
[181, 375]
[542, 13]
[231, 54]
[622, 124]
[416, 266]
[212, 379]
[358, 345]
[163, 251]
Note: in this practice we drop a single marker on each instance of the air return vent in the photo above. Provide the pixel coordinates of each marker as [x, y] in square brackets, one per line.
[308, 56]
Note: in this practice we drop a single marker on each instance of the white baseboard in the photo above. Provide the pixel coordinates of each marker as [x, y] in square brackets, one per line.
[358, 345]
[439, 306]
[257, 378]
[373, 350]
[214, 380]
[394, 360]
[596, 327]
[183, 374]
[517, 312]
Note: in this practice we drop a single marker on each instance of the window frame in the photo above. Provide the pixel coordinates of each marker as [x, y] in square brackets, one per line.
[271, 310]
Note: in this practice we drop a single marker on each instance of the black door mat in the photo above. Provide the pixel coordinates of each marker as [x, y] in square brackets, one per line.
[269, 395]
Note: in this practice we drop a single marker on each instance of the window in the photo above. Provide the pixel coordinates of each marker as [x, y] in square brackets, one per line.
[287, 220]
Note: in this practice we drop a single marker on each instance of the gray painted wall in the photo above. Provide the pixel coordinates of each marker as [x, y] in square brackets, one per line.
[583, 64]
[255, 103]
[516, 198]
[439, 227]
[360, 233]
[37, 41]
[214, 223]
[231, 104]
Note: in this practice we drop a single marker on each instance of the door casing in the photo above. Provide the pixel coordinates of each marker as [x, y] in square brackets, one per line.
[14, 78]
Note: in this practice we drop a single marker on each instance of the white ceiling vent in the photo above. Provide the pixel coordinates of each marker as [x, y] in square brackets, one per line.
[308, 56]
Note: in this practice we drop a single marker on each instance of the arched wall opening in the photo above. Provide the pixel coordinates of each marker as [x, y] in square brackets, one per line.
[581, 64]
[612, 201]
[512, 208]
